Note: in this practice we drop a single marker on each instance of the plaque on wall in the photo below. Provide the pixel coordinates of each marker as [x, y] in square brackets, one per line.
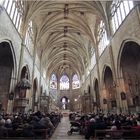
[11, 96]
[113, 104]
[136, 101]
[123, 96]
[104, 101]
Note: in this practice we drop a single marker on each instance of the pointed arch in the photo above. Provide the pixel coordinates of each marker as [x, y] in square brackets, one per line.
[25, 73]
[53, 81]
[64, 82]
[7, 71]
[75, 82]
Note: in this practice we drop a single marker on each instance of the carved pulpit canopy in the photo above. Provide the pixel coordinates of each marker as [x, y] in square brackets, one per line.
[24, 84]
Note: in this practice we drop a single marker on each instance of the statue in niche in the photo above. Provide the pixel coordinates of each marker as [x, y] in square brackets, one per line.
[111, 91]
[130, 83]
[136, 101]
[136, 84]
[64, 102]
[64, 106]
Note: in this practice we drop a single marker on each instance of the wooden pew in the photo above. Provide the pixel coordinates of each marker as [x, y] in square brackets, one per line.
[41, 133]
[115, 134]
[18, 134]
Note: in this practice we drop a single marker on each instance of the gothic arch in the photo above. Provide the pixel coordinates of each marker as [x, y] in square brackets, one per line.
[14, 74]
[8, 70]
[25, 72]
[110, 92]
[103, 73]
[119, 71]
[128, 71]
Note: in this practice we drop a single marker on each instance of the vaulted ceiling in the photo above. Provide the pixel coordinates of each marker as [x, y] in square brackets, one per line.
[63, 30]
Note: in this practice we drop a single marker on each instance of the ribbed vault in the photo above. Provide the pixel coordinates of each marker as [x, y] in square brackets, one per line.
[62, 32]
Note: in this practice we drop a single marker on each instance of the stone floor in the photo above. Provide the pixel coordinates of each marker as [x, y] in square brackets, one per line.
[62, 129]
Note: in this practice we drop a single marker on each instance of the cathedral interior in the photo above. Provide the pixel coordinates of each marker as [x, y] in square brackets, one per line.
[81, 56]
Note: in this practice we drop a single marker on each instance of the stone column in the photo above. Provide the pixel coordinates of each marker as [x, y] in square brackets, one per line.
[71, 93]
[33, 72]
[58, 91]
[117, 94]
[41, 75]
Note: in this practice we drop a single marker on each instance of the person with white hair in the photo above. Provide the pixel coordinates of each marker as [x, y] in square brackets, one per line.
[8, 123]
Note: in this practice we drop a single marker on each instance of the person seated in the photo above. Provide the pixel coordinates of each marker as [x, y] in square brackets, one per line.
[28, 128]
[35, 123]
[3, 129]
[8, 123]
[136, 128]
[116, 126]
[94, 124]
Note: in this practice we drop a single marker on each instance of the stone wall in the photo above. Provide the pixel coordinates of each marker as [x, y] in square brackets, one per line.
[128, 31]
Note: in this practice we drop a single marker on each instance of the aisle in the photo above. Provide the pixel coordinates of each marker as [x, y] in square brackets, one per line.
[61, 131]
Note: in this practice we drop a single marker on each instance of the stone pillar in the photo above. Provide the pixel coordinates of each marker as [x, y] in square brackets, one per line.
[41, 75]
[58, 91]
[70, 92]
[109, 34]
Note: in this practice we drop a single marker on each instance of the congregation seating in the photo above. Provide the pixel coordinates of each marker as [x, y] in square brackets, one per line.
[117, 134]
[18, 134]
[110, 126]
[33, 126]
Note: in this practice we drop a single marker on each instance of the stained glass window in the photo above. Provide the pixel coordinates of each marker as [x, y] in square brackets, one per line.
[102, 37]
[53, 82]
[64, 82]
[75, 82]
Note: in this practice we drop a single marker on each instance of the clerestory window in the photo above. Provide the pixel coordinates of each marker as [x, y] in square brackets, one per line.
[119, 10]
[14, 9]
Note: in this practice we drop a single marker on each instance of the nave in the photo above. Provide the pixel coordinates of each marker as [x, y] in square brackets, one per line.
[61, 131]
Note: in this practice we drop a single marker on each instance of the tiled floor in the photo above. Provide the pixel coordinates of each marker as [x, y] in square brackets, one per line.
[62, 129]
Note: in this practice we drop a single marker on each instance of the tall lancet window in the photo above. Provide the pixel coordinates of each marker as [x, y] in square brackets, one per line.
[53, 82]
[102, 37]
[75, 82]
[64, 82]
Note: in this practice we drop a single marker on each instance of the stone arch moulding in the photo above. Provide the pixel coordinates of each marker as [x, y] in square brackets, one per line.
[103, 73]
[54, 74]
[64, 74]
[128, 71]
[8, 66]
[64, 97]
[14, 74]
[35, 94]
[27, 70]
[79, 76]
[119, 71]
[13, 80]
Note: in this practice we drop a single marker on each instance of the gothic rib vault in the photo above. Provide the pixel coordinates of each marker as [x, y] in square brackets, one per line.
[63, 31]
